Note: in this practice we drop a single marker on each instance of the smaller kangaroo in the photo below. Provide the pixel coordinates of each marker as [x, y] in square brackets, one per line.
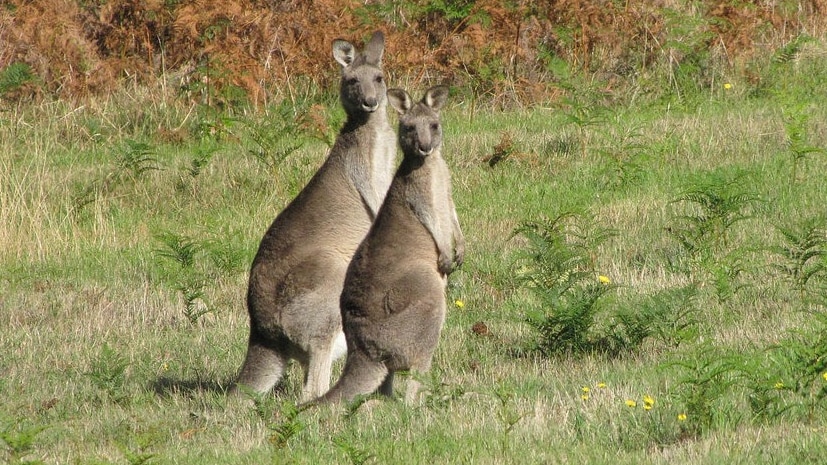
[393, 301]
[297, 275]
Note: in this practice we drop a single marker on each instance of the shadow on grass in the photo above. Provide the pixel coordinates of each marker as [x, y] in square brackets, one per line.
[165, 386]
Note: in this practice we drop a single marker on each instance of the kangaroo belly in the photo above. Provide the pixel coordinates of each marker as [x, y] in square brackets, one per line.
[395, 321]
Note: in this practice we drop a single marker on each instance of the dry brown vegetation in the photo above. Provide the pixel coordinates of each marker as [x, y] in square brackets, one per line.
[80, 48]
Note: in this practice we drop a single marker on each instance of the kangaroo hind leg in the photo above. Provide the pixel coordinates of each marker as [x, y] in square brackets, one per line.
[361, 376]
[263, 367]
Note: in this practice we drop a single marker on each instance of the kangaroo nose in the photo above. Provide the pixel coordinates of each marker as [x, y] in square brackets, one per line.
[425, 149]
[370, 104]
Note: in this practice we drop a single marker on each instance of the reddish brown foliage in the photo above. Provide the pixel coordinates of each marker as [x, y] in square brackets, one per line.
[50, 37]
[86, 47]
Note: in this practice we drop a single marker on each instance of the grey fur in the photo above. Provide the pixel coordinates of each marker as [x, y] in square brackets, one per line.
[393, 302]
[297, 275]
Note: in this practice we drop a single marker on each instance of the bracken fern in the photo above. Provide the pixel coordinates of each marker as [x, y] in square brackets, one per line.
[805, 245]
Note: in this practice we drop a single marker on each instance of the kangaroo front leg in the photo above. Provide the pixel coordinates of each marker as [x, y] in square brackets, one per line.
[458, 237]
[442, 237]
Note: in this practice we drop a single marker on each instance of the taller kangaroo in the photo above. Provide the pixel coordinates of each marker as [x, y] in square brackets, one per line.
[298, 273]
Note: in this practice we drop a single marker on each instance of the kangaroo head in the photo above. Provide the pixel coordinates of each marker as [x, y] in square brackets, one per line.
[363, 85]
[420, 131]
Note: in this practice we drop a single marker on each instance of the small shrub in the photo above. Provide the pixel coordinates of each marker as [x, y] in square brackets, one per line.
[706, 378]
[669, 316]
[571, 311]
[558, 268]
[357, 455]
[805, 244]
[108, 373]
[189, 280]
[15, 79]
[202, 157]
[803, 359]
[792, 49]
[135, 159]
[623, 158]
[711, 207]
[281, 418]
[507, 412]
[180, 249]
[796, 122]
[275, 137]
[19, 437]
[135, 450]
[568, 326]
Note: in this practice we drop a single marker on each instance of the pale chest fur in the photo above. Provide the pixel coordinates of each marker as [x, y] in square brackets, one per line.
[428, 194]
[383, 159]
[440, 193]
[369, 161]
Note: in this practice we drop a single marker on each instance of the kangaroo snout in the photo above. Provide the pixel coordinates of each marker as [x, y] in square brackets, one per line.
[370, 104]
[425, 149]
[424, 143]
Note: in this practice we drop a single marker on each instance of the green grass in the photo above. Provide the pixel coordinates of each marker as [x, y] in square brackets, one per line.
[111, 212]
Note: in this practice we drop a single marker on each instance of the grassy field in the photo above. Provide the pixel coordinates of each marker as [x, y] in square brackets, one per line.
[645, 282]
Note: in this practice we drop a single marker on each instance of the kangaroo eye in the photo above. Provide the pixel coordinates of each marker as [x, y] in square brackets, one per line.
[351, 81]
[378, 79]
[434, 126]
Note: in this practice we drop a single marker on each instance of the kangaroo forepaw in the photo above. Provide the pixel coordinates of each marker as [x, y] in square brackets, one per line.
[445, 264]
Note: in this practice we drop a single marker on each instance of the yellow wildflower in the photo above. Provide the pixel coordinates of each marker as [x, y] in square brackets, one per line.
[459, 303]
[648, 402]
[603, 385]
[585, 397]
[604, 279]
[586, 389]
[681, 417]
[727, 86]
[631, 403]
[824, 375]
[779, 385]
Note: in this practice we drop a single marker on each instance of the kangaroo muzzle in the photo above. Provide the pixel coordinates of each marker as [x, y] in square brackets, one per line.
[425, 150]
[424, 143]
[370, 105]
[369, 102]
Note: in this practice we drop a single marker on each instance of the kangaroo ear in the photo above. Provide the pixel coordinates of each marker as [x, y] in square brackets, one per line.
[343, 52]
[375, 48]
[436, 97]
[400, 100]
